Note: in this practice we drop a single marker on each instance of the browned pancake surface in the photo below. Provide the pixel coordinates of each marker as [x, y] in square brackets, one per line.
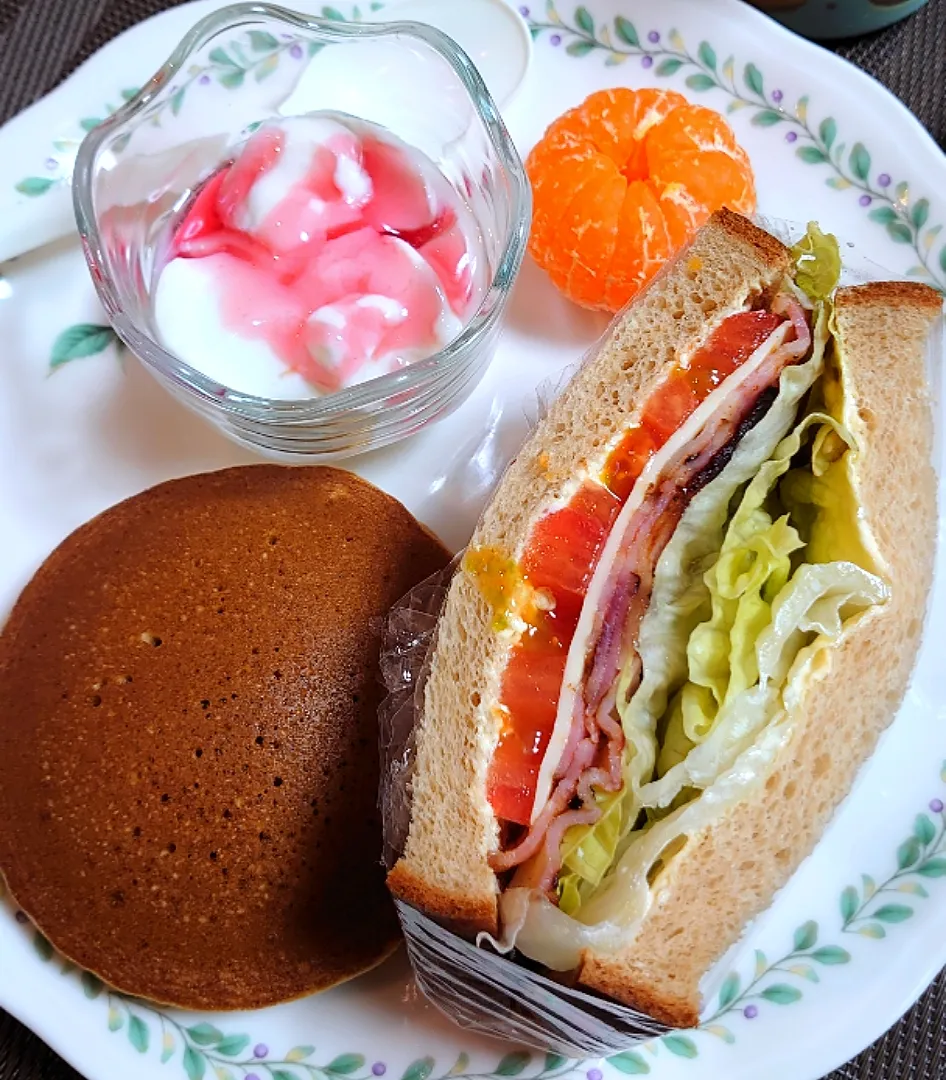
[188, 737]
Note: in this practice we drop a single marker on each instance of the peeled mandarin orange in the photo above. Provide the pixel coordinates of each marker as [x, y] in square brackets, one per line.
[622, 182]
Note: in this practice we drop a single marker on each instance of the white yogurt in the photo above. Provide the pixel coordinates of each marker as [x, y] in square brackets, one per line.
[326, 254]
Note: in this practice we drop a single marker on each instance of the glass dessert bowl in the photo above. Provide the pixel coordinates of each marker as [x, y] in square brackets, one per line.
[249, 65]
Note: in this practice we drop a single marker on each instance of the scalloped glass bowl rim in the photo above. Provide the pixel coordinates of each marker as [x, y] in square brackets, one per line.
[420, 375]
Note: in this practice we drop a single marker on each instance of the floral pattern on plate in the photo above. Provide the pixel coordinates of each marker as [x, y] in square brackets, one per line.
[255, 54]
[832, 937]
[888, 203]
[867, 910]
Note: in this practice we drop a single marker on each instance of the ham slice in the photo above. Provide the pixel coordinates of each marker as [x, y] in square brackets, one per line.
[617, 600]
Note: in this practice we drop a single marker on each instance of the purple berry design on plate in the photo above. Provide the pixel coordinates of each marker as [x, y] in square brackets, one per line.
[884, 180]
[648, 61]
[251, 1076]
[555, 39]
[777, 96]
[750, 1012]
[936, 805]
[791, 137]
[594, 1074]
[653, 37]
[524, 11]
[261, 1050]
[204, 80]
[379, 1068]
[296, 52]
[865, 200]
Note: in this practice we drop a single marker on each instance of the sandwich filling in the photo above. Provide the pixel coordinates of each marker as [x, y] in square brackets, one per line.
[671, 603]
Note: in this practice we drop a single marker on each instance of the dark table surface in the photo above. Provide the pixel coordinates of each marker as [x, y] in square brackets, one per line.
[910, 59]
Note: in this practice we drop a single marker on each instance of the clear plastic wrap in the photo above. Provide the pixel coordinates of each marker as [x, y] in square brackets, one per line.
[475, 986]
[407, 639]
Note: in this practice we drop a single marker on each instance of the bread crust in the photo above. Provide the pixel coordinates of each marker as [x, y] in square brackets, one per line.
[731, 869]
[444, 868]
[895, 294]
[741, 231]
[454, 911]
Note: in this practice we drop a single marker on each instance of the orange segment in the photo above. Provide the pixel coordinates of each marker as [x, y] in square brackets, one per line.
[554, 186]
[697, 149]
[616, 121]
[682, 213]
[631, 267]
[624, 180]
[588, 245]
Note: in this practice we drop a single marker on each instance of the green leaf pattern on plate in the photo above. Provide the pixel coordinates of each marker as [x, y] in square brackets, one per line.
[630, 1063]
[36, 185]
[922, 854]
[851, 167]
[420, 1069]
[513, 1064]
[340, 1066]
[258, 53]
[79, 341]
[43, 949]
[255, 54]
[92, 986]
[680, 1046]
[138, 1034]
[866, 909]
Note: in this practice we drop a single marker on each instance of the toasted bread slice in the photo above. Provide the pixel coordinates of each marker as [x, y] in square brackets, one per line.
[730, 870]
[444, 869]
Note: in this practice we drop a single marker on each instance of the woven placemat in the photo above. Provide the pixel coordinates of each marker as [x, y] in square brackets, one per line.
[42, 41]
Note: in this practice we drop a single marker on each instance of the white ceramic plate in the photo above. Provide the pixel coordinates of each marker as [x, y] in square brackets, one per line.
[861, 929]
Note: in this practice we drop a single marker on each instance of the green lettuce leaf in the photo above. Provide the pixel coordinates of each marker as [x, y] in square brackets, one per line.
[681, 598]
[817, 263]
[588, 851]
[753, 568]
[763, 614]
[821, 499]
[815, 604]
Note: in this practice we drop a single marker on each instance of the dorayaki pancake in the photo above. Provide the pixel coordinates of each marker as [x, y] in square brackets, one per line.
[188, 735]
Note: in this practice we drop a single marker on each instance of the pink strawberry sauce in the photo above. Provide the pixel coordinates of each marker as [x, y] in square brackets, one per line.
[342, 248]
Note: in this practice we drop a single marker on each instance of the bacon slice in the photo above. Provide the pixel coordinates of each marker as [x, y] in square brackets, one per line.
[592, 759]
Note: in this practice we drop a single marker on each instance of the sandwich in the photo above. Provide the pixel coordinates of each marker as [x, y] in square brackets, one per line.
[683, 621]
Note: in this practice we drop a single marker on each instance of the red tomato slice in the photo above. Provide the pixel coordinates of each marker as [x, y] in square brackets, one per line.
[628, 460]
[564, 548]
[563, 552]
[735, 340]
[565, 544]
[530, 689]
[669, 406]
[561, 557]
